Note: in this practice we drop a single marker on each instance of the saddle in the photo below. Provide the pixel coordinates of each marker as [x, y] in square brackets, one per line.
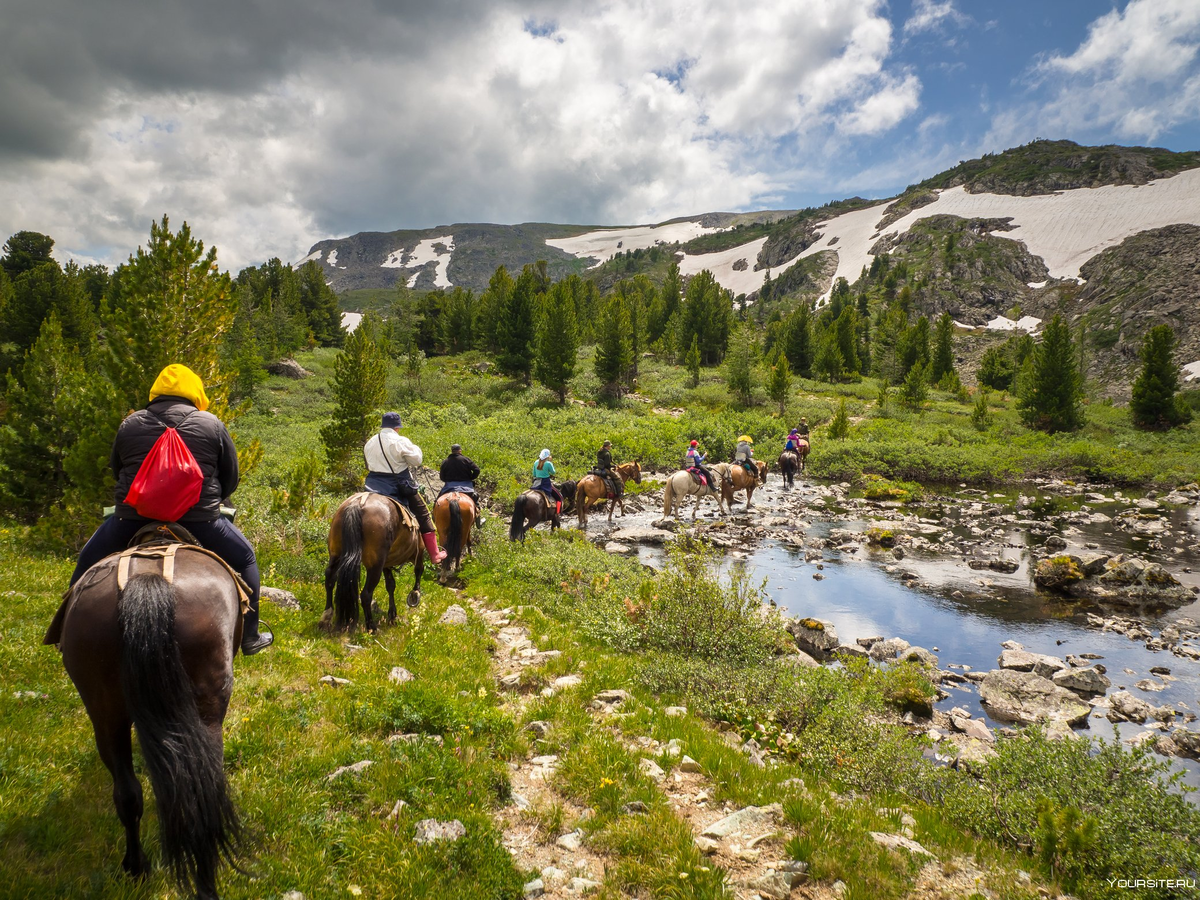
[158, 541]
[697, 476]
[406, 514]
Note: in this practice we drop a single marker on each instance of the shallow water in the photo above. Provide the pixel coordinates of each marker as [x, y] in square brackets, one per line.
[861, 599]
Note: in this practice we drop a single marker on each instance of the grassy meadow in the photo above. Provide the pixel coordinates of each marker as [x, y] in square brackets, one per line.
[842, 765]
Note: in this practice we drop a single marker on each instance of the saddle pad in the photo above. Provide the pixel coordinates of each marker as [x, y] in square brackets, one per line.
[406, 514]
[165, 552]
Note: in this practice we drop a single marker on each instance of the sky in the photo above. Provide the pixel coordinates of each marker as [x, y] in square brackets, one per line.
[268, 125]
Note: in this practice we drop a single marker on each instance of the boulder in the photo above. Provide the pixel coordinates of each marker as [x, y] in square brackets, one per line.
[919, 655]
[454, 615]
[400, 675]
[431, 831]
[888, 649]
[1082, 681]
[751, 821]
[1094, 563]
[1124, 707]
[973, 728]
[285, 599]
[1058, 572]
[1024, 661]
[814, 636]
[288, 368]
[1026, 698]
[639, 534]
[798, 660]
[899, 842]
[353, 769]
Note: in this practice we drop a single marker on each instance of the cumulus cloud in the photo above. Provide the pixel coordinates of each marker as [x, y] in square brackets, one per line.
[1136, 72]
[271, 125]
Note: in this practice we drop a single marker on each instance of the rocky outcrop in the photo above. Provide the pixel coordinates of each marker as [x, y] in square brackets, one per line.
[1123, 580]
[1027, 698]
[815, 637]
[1082, 681]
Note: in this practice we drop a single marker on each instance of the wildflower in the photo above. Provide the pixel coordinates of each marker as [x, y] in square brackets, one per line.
[482, 692]
[683, 875]
[355, 890]
[605, 782]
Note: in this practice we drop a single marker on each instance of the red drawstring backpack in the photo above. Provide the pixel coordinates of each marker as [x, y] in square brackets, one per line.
[169, 479]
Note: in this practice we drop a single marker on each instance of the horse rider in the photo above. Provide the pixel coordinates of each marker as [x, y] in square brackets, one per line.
[793, 441]
[744, 455]
[606, 470]
[177, 400]
[543, 471]
[458, 473]
[389, 456]
[802, 428]
[693, 459]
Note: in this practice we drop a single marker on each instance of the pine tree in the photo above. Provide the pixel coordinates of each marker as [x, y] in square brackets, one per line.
[1155, 404]
[996, 369]
[981, 414]
[24, 251]
[943, 353]
[779, 384]
[829, 364]
[1051, 393]
[799, 342]
[493, 305]
[359, 390]
[706, 314]
[739, 364]
[692, 361]
[915, 389]
[516, 327]
[242, 356]
[847, 338]
[458, 321]
[613, 354]
[839, 426]
[171, 304]
[914, 346]
[557, 342]
[320, 305]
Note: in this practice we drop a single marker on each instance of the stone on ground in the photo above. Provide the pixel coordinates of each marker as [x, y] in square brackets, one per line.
[751, 821]
[454, 615]
[1026, 698]
[400, 675]
[430, 831]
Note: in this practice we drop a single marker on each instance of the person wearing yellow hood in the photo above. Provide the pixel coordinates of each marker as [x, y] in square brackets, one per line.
[178, 400]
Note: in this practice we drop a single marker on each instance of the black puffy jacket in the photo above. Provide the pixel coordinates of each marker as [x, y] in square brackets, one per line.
[458, 468]
[203, 433]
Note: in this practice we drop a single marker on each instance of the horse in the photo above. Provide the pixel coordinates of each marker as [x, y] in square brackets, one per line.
[377, 532]
[534, 507]
[741, 480]
[791, 461]
[592, 489]
[681, 484]
[454, 517]
[157, 654]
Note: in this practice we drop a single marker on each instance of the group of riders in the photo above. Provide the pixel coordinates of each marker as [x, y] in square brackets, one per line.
[178, 405]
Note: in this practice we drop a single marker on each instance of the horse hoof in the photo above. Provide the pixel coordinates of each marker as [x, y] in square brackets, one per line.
[414, 599]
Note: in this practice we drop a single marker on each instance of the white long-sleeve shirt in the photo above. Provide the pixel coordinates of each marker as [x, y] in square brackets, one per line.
[391, 452]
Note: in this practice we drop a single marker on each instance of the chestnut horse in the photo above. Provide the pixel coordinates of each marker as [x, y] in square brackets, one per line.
[157, 654]
[741, 480]
[454, 517]
[377, 532]
[592, 489]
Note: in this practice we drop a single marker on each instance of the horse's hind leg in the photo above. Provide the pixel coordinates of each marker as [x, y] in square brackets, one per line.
[330, 583]
[389, 578]
[115, 743]
[414, 596]
[368, 592]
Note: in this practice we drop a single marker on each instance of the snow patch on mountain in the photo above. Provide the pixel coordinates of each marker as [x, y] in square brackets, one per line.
[733, 268]
[438, 250]
[351, 320]
[604, 245]
[332, 261]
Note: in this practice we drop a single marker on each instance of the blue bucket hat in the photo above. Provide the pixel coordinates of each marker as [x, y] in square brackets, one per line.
[391, 420]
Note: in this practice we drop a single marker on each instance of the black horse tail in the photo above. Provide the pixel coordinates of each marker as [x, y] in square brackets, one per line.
[345, 592]
[454, 538]
[198, 822]
[516, 530]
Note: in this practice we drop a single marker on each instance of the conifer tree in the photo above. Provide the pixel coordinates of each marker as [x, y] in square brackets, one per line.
[320, 305]
[779, 384]
[24, 251]
[915, 389]
[1155, 404]
[981, 414]
[847, 338]
[516, 326]
[171, 304]
[914, 346]
[692, 361]
[739, 364]
[839, 425]
[799, 341]
[557, 341]
[1051, 393]
[706, 314]
[943, 352]
[492, 306]
[995, 369]
[359, 390]
[458, 321]
[829, 364]
[613, 354]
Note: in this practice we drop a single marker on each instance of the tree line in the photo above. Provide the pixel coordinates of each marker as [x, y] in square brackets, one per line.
[81, 346]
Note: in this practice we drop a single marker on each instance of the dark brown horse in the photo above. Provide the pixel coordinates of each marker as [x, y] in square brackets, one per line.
[592, 489]
[454, 517]
[534, 507]
[374, 531]
[793, 461]
[157, 654]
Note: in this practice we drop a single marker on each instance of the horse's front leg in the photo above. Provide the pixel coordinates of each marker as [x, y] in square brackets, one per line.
[330, 583]
[414, 596]
[389, 579]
